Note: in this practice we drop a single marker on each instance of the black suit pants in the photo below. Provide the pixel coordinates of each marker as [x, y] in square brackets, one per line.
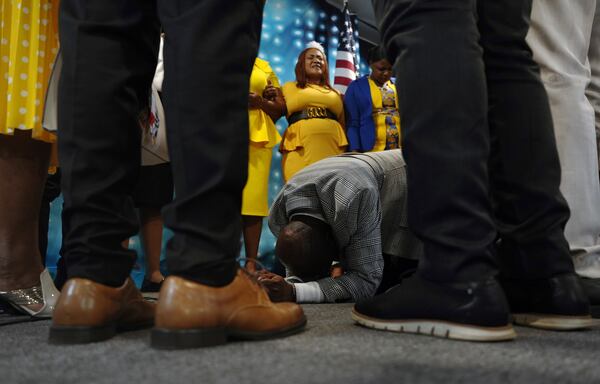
[478, 139]
[110, 50]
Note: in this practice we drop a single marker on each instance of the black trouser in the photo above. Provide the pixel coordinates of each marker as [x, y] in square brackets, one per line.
[110, 50]
[395, 269]
[477, 138]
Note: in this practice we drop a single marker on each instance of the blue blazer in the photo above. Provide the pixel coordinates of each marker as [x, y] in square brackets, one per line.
[360, 127]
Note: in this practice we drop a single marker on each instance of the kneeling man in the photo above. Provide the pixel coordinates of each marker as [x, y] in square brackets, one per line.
[349, 208]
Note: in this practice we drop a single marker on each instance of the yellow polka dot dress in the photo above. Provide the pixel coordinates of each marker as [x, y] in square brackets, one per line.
[28, 47]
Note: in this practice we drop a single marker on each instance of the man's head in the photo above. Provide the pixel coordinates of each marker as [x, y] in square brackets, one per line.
[306, 247]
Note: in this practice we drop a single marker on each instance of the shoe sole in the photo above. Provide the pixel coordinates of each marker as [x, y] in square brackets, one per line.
[62, 335]
[66, 335]
[162, 338]
[553, 322]
[150, 295]
[438, 328]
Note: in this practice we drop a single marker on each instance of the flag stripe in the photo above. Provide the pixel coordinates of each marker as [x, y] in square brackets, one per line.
[344, 55]
[345, 64]
[343, 72]
[342, 80]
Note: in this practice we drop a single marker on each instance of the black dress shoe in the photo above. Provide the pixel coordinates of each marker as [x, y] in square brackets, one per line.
[475, 311]
[591, 287]
[557, 303]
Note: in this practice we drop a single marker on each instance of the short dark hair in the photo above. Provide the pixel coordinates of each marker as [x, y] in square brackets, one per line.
[306, 247]
[376, 53]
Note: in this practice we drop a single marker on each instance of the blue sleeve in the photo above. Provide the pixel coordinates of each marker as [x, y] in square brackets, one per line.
[353, 117]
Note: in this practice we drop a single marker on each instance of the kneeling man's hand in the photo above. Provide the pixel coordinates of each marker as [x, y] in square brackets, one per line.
[277, 287]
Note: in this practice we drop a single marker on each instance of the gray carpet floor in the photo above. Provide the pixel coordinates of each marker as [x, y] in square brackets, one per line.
[331, 350]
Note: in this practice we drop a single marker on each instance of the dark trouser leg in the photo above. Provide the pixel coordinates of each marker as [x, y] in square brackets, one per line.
[443, 102]
[530, 211]
[109, 51]
[209, 52]
[394, 270]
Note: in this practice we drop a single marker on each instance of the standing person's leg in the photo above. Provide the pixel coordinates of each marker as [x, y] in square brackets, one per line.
[151, 236]
[255, 206]
[446, 147]
[530, 211]
[109, 51]
[209, 52]
[252, 226]
[104, 86]
[153, 191]
[207, 68]
[560, 40]
[443, 99]
[24, 167]
[593, 90]
[592, 285]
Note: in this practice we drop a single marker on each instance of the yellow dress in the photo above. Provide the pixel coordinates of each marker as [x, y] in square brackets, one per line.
[28, 47]
[385, 116]
[310, 140]
[263, 137]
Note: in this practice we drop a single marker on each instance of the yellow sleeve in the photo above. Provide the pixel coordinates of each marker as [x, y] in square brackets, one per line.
[272, 77]
[266, 68]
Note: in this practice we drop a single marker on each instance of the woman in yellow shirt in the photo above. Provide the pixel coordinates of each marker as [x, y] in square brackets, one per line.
[315, 114]
[265, 105]
[372, 108]
[28, 46]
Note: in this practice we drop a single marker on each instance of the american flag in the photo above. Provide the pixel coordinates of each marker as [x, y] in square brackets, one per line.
[346, 63]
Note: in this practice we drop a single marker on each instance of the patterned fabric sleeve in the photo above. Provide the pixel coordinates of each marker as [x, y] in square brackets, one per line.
[277, 214]
[362, 259]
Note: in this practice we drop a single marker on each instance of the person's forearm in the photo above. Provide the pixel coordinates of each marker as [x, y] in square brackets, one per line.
[308, 292]
[275, 109]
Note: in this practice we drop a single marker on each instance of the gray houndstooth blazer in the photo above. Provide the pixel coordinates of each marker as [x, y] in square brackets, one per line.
[362, 196]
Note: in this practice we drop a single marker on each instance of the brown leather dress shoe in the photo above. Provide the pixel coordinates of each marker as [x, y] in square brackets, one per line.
[191, 315]
[88, 311]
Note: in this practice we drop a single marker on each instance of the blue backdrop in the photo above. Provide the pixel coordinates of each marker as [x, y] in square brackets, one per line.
[287, 26]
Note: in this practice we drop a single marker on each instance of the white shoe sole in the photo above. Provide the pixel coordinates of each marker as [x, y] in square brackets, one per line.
[438, 328]
[150, 295]
[553, 322]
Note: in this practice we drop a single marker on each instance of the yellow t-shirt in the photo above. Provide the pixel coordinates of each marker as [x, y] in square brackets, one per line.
[28, 48]
[262, 128]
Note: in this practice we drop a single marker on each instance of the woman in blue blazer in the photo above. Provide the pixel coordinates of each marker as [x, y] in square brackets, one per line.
[373, 121]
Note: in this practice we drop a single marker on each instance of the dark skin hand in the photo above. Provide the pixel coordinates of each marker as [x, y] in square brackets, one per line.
[336, 271]
[271, 101]
[270, 92]
[278, 289]
[255, 100]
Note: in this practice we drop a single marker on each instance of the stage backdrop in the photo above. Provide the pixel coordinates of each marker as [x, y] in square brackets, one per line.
[287, 26]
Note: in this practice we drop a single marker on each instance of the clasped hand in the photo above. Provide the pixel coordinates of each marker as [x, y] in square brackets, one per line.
[276, 286]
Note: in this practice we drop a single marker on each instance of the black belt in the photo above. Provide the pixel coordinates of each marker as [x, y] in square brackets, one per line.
[311, 113]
